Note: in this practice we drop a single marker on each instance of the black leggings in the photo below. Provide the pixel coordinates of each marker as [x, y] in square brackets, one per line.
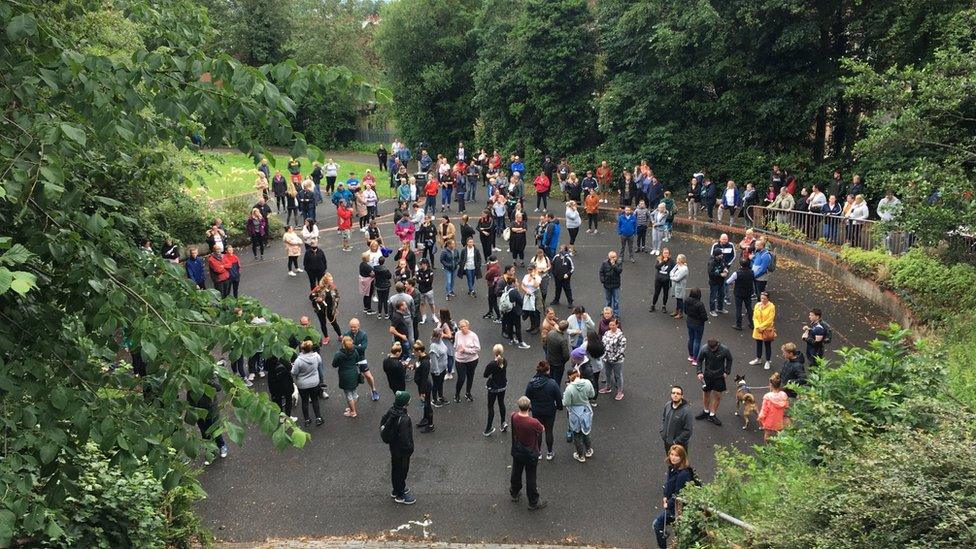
[310, 395]
[768, 345]
[543, 199]
[257, 241]
[281, 203]
[330, 184]
[512, 326]
[547, 422]
[592, 220]
[438, 385]
[572, 235]
[465, 376]
[292, 262]
[595, 380]
[492, 397]
[493, 304]
[662, 288]
[283, 402]
[324, 321]
[382, 307]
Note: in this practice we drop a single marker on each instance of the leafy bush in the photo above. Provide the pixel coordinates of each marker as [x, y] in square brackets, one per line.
[368, 148]
[960, 356]
[872, 264]
[234, 213]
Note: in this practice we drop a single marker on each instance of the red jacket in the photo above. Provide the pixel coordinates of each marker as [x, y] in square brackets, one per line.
[542, 183]
[219, 268]
[345, 218]
[495, 162]
[430, 189]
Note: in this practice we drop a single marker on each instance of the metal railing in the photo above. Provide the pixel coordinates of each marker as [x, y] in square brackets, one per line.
[829, 229]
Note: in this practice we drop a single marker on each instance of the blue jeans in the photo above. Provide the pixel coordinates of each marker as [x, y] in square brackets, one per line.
[448, 281]
[695, 334]
[469, 273]
[446, 196]
[318, 193]
[716, 296]
[659, 523]
[612, 300]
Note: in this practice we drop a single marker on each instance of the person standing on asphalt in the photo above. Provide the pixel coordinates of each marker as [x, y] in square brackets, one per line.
[627, 228]
[676, 420]
[360, 341]
[546, 399]
[399, 327]
[562, 273]
[610, 272]
[743, 280]
[396, 430]
[346, 361]
[679, 282]
[695, 318]
[469, 265]
[613, 359]
[438, 367]
[526, 451]
[717, 273]
[280, 385]
[395, 369]
[421, 376]
[762, 260]
[815, 334]
[496, 372]
[556, 345]
[662, 280]
[306, 370]
[679, 474]
[714, 365]
[466, 349]
[493, 272]
[576, 400]
[315, 264]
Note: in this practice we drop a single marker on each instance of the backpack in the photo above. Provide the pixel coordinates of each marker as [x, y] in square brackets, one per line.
[505, 304]
[388, 431]
[693, 477]
[828, 332]
[771, 268]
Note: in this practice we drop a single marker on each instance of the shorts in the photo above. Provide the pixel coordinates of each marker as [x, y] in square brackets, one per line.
[428, 298]
[344, 233]
[363, 367]
[352, 395]
[716, 384]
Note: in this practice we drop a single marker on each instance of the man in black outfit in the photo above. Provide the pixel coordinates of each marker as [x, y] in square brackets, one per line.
[526, 448]
[714, 365]
[557, 351]
[315, 264]
[744, 287]
[676, 420]
[399, 433]
[562, 275]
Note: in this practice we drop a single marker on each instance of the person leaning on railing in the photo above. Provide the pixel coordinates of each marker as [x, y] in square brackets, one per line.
[831, 211]
[857, 215]
[784, 201]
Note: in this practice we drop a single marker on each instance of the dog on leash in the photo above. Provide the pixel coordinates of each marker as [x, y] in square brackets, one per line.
[745, 403]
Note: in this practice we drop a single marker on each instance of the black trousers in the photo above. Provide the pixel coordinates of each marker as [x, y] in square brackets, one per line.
[662, 288]
[283, 402]
[547, 422]
[493, 304]
[556, 373]
[465, 376]
[257, 242]
[428, 418]
[281, 202]
[310, 395]
[529, 466]
[492, 398]
[743, 302]
[438, 389]
[324, 322]
[512, 326]
[399, 467]
[563, 285]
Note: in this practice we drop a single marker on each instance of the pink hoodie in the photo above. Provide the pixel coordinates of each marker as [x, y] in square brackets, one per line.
[774, 407]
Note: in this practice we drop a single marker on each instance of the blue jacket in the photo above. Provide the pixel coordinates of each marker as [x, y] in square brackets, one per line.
[344, 194]
[760, 262]
[517, 167]
[391, 164]
[545, 395]
[675, 481]
[626, 225]
[403, 193]
[550, 239]
[404, 155]
[654, 194]
[736, 197]
[195, 270]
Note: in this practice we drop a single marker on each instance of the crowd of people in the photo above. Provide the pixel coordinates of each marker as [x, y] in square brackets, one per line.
[583, 356]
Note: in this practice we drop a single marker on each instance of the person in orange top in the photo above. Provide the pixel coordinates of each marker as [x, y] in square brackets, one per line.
[430, 191]
[772, 415]
[604, 176]
[345, 223]
[592, 206]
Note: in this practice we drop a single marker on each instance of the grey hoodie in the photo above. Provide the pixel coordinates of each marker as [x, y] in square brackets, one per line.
[305, 370]
[438, 356]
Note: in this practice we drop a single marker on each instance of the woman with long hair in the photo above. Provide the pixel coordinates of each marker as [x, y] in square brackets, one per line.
[421, 376]
[679, 283]
[764, 329]
[325, 303]
[496, 373]
[542, 267]
[594, 352]
[531, 298]
[679, 474]
[306, 370]
[257, 227]
[772, 415]
[293, 249]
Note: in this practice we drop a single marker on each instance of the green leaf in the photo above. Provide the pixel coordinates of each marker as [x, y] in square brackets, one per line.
[148, 349]
[21, 26]
[6, 279]
[16, 255]
[74, 133]
[299, 438]
[7, 520]
[48, 453]
[234, 432]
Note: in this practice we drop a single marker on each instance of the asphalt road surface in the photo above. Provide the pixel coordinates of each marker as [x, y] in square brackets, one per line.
[338, 485]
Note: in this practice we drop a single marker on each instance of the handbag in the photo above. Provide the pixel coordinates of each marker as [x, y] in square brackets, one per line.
[768, 334]
[506, 234]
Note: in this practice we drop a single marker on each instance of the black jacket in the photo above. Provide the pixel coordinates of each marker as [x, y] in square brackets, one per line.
[315, 261]
[279, 377]
[426, 234]
[610, 274]
[714, 364]
[745, 282]
[466, 233]
[421, 375]
[382, 277]
[794, 371]
[695, 313]
[497, 375]
[396, 374]
[557, 349]
[463, 259]
[716, 270]
[562, 264]
[403, 444]
[544, 393]
[676, 424]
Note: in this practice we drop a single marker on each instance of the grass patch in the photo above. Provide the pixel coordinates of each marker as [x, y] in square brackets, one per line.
[232, 174]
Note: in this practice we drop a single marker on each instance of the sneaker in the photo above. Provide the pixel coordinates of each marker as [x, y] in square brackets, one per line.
[468, 398]
[723, 311]
[262, 373]
[715, 420]
[375, 395]
[308, 422]
[766, 365]
[550, 455]
[652, 309]
[248, 383]
[489, 433]
[423, 320]
[223, 451]
[664, 309]
[702, 415]
[497, 321]
[325, 340]
[540, 504]
[754, 361]
[369, 312]
[293, 418]
[406, 499]
[604, 390]
[300, 270]
[595, 231]
[589, 453]
[427, 429]
[504, 427]
[457, 400]
[632, 260]
[691, 358]
[589, 231]
[250, 377]
[320, 421]
[619, 395]
[347, 413]
[292, 273]
[579, 458]
[713, 313]
[694, 362]
[515, 497]
[436, 403]
[536, 210]
[523, 345]
[449, 376]
[737, 327]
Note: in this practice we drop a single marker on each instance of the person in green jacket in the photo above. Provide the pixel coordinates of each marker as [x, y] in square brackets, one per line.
[346, 360]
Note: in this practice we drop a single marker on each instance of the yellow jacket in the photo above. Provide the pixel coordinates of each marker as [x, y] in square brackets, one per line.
[763, 317]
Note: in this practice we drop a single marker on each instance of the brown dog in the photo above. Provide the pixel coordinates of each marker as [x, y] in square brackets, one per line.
[745, 403]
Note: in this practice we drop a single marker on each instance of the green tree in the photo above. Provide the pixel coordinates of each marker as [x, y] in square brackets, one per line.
[536, 75]
[87, 137]
[427, 54]
[256, 32]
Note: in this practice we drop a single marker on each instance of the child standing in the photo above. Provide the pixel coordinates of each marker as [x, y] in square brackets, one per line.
[774, 405]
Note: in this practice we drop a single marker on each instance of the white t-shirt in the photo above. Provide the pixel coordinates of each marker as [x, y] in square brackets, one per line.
[730, 196]
[331, 169]
[469, 260]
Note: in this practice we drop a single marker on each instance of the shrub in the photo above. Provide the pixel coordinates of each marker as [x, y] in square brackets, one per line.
[234, 213]
[872, 264]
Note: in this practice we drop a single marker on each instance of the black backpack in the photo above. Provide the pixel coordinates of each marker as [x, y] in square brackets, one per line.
[389, 429]
[828, 333]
